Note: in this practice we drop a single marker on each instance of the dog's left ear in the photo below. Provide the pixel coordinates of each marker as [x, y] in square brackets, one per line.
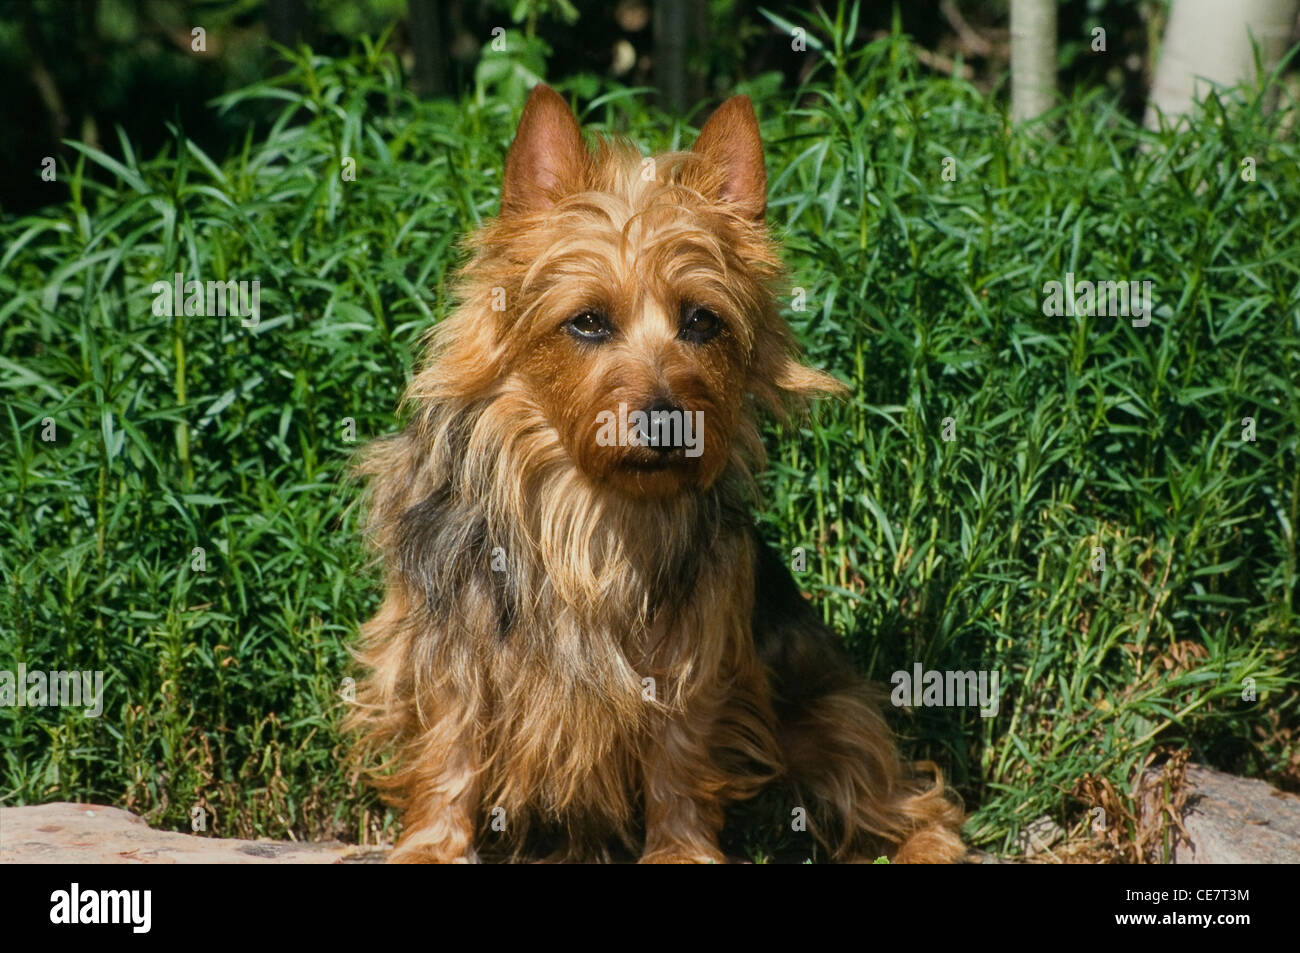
[730, 138]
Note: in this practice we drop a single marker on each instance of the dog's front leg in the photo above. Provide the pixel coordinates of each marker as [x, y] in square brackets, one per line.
[683, 803]
[440, 799]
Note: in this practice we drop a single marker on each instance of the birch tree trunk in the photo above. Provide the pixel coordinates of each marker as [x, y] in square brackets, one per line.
[1033, 58]
[1209, 42]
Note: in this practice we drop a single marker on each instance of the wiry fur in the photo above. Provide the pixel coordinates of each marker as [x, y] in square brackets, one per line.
[534, 581]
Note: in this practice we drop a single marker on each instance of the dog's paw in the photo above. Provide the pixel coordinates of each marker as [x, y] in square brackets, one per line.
[431, 854]
[932, 845]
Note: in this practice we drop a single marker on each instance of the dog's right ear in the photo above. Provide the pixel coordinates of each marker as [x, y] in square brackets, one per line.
[547, 156]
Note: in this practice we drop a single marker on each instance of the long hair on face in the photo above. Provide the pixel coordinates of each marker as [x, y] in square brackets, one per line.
[525, 597]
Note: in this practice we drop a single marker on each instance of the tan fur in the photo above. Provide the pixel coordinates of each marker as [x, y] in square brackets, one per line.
[536, 579]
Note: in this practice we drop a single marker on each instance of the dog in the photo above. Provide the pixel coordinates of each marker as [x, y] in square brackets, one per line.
[583, 638]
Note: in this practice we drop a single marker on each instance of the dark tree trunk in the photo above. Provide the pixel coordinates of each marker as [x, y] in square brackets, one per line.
[429, 48]
[288, 22]
[671, 22]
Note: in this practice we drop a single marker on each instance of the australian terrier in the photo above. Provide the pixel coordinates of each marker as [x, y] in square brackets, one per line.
[582, 633]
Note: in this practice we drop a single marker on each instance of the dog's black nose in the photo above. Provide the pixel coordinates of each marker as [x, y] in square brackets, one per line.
[663, 425]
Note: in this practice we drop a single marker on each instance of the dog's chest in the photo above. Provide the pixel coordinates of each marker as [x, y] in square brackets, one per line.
[568, 738]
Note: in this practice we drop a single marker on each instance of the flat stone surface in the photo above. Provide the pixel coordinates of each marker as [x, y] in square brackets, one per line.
[62, 833]
[1230, 820]
[1234, 820]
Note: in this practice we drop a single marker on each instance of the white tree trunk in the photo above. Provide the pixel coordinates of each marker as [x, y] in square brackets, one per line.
[1033, 58]
[1209, 42]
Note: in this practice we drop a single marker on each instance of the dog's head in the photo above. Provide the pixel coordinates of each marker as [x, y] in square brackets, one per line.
[620, 308]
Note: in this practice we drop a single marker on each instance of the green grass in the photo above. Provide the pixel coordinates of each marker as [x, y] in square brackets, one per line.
[926, 295]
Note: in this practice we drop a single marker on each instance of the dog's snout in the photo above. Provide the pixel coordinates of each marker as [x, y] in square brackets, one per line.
[661, 405]
[663, 435]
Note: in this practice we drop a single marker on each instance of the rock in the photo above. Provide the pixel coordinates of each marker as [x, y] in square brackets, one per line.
[1233, 820]
[975, 856]
[62, 833]
[1039, 836]
[1229, 820]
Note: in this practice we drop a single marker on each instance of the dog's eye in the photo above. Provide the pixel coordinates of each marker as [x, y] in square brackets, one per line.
[589, 326]
[698, 324]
